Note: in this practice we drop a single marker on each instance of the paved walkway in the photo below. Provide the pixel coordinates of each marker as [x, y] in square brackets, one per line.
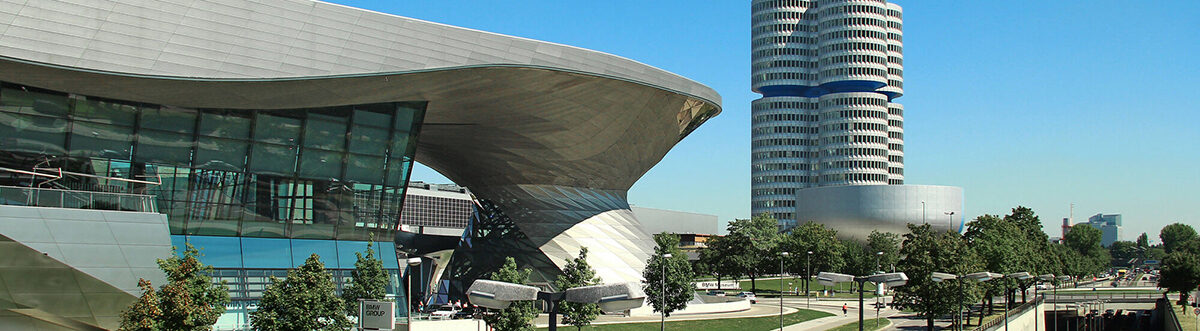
[761, 309]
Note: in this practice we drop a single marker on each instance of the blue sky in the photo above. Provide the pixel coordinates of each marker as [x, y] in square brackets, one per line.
[1040, 104]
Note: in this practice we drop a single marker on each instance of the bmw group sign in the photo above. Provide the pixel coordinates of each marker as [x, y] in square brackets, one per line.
[376, 315]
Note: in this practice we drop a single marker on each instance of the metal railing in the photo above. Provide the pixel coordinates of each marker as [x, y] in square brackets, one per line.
[55, 198]
[1016, 311]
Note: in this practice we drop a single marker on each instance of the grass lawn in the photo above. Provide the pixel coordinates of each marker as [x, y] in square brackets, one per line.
[871, 324]
[1187, 318]
[732, 324]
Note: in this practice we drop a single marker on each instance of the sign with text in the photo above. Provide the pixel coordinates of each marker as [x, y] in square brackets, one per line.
[712, 285]
[376, 315]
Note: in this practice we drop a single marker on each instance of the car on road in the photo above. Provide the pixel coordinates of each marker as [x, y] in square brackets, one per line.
[748, 296]
[465, 313]
[444, 312]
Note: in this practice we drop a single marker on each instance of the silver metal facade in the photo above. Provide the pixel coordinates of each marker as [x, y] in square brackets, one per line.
[854, 211]
[828, 72]
[554, 134]
[75, 268]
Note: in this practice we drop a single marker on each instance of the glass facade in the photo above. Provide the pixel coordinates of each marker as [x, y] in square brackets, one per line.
[317, 173]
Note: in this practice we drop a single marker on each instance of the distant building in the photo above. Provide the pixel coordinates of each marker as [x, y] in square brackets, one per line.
[1109, 225]
[441, 209]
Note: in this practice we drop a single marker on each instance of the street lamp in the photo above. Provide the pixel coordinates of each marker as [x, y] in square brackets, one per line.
[782, 256]
[950, 217]
[893, 279]
[412, 262]
[978, 276]
[923, 221]
[609, 297]
[1008, 305]
[1040, 279]
[1060, 280]
[807, 278]
[662, 308]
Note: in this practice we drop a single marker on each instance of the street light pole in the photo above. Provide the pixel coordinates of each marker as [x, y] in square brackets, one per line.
[808, 277]
[662, 300]
[412, 262]
[923, 221]
[950, 217]
[782, 256]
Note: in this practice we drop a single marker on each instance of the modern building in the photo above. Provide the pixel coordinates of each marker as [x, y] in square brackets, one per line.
[263, 131]
[1109, 226]
[829, 73]
[441, 209]
[678, 222]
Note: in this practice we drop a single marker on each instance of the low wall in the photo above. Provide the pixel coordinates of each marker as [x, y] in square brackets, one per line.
[464, 325]
[1027, 320]
[706, 305]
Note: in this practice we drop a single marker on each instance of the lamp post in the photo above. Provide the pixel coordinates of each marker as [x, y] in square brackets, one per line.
[893, 279]
[1061, 279]
[923, 221]
[662, 308]
[807, 278]
[978, 276]
[1008, 305]
[1040, 279]
[950, 217]
[782, 256]
[412, 262]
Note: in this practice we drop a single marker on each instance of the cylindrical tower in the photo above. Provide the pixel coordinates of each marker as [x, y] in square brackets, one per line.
[828, 72]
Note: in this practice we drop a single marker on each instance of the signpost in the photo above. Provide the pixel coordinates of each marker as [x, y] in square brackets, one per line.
[376, 315]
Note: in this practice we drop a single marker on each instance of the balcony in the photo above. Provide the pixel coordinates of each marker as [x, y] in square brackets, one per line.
[55, 198]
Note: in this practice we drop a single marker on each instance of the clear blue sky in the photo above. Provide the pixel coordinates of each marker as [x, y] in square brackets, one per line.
[1040, 104]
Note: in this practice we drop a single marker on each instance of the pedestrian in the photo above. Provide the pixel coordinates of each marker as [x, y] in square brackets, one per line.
[845, 309]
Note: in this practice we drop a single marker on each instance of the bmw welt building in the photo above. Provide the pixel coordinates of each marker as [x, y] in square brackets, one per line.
[263, 131]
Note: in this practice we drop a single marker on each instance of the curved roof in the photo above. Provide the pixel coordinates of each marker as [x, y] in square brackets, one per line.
[502, 110]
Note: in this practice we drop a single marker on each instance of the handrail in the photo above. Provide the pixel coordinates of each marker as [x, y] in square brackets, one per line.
[1021, 308]
[56, 198]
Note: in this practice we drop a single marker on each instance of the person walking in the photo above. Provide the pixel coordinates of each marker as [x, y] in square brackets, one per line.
[845, 309]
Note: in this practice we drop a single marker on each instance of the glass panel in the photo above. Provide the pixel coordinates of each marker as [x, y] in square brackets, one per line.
[346, 250]
[387, 253]
[224, 125]
[101, 140]
[319, 164]
[163, 147]
[368, 140]
[219, 252]
[378, 115]
[266, 253]
[321, 132]
[397, 172]
[169, 119]
[222, 154]
[326, 249]
[106, 112]
[273, 159]
[264, 228]
[400, 144]
[364, 169]
[32, 101]
[277, 129]
[35, 134]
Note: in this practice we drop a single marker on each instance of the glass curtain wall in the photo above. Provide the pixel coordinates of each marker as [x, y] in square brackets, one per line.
[315, 173]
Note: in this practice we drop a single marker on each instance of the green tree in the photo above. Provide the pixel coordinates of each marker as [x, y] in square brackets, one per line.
[143, 314]
[998, 243]
[1143, 241]
[369, 281]
[926, 251]
[1176, 234]
[677, 290]
[1181, 269]
[717, 259]
[828, 252]
[578, 273]
[519, 314]
[753, 244]
[190, 300]
[1085, 240]
[305, 300]
[1122, 252]
[856, 259]
[885, 247]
